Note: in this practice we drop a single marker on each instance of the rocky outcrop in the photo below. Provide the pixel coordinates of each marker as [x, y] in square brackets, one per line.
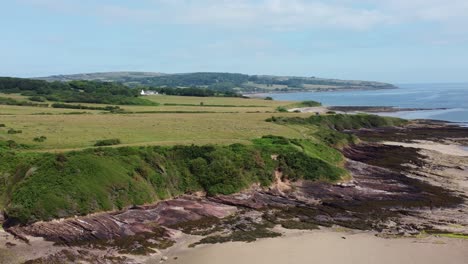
[107, 226]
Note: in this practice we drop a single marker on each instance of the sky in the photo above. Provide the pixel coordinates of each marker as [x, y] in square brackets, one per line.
[397, 41]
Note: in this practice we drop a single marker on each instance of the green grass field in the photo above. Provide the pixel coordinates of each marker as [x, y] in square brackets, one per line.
[235, 120]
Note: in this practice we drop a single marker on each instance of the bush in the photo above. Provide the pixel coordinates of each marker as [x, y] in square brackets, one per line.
[2, 125]
[37, 99]
[79, 106]
[10, 144]
[281, 109]
[13, 131]
[40, 139]
[298, 165]
[269, 98]
[11, 101]
[310, 104]
[107, 142]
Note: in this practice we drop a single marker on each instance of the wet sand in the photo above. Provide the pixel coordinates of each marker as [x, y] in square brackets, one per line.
[428, 145]
[328, 247]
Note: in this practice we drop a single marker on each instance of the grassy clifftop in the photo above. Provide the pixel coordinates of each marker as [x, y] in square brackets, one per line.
[45, 186]
[342, 122]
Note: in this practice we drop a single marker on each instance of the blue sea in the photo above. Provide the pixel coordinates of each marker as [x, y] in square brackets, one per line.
[452, 96]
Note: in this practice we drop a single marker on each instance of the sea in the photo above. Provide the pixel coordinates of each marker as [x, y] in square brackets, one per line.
[452, 98]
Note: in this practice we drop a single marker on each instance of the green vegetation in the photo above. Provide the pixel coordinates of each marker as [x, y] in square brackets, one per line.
[40, 186]
[107, 142]
[327, 128]
[225, 82]
[239, 235]
[40, 139]
[37, 185]
[199, 92]
[14, 131]
[162, 125]
[11, 145]
[281, 109]
[72, 106]
[342, 122]
[37, 99]
[11, 101]
[309, 103]
[74, 91]
[293, 224]
[453, 235]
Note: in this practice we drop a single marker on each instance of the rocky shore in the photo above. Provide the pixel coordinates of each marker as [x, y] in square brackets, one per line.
[395, 190]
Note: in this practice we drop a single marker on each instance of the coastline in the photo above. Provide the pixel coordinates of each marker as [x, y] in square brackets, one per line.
[454, 150]
[431, 171]
[264, 94]
[325, 246]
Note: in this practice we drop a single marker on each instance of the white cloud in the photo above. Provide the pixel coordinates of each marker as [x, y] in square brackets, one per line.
[272, 14]
[269, 14]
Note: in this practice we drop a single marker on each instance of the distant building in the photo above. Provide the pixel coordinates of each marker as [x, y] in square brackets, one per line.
[143, 93]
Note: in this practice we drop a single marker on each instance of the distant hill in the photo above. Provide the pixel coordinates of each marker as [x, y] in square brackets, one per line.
[225, 81]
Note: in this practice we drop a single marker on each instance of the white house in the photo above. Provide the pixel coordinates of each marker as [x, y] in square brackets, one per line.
[143, 92]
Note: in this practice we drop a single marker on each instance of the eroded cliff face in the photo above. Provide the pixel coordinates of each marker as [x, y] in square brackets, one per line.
[393, 190]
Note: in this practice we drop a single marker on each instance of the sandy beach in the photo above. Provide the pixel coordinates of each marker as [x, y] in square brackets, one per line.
[328, 247]
[447, 149]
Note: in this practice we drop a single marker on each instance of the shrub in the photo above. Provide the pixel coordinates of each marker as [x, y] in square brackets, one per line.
[269, 98]
[2, 125]
[298, 165]
[281, 109]
[9, 144]
[37, 99]
[13, 131]
[107, 142]
[40, 139]
[310, 103]
[79, 106]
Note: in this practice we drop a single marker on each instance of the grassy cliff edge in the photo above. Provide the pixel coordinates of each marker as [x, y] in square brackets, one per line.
[44, 186]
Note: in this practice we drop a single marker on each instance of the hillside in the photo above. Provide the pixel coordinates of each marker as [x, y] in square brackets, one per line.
[69, 92]
[225, 81]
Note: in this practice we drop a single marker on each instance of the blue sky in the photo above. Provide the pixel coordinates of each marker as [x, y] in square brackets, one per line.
[398, 41]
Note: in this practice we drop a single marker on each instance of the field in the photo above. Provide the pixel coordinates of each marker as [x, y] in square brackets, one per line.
[183, 121]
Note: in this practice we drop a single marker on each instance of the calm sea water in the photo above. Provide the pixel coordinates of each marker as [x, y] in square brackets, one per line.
[454, 97]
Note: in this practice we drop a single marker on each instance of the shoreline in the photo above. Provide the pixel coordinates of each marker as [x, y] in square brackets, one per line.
[325, 246]
[452, 149]
[264, 94]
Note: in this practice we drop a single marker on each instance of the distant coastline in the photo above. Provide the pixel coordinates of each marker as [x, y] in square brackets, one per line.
[265, 94]
[445, 102]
